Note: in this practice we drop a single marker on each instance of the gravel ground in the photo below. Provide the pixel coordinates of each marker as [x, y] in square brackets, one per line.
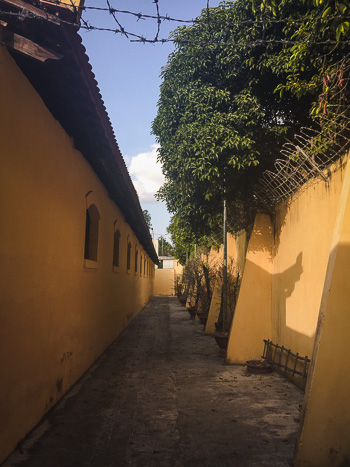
[162, 396]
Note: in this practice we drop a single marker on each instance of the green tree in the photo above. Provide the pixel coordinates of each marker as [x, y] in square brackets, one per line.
[147, 217]
[219, 121]
[316, 61]
[165, 248]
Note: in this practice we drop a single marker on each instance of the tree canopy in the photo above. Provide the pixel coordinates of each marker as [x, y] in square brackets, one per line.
[237, 87]
[147, 217]
[165, 248]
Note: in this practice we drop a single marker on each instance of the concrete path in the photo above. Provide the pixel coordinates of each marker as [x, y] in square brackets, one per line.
[161, 396]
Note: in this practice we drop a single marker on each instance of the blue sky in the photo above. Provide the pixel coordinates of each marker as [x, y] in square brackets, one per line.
[128, 78]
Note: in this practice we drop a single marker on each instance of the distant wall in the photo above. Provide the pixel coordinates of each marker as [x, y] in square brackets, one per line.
[58, 312]
[164, 282]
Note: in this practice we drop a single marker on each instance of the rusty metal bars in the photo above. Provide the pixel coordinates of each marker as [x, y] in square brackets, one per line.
[274, 357]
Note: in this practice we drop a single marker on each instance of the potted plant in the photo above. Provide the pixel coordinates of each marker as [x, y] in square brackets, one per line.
[224, 322]
[206, 286]
[258, 366]
[192, 279]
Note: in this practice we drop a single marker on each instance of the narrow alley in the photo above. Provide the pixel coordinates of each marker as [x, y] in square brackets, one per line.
[161, 396]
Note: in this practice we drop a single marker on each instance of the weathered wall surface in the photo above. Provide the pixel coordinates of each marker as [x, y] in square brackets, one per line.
[164, 282]
[236, 253]
[252, 318]
[325, 423]
[301, 242]
[303, 234]
[57, 316]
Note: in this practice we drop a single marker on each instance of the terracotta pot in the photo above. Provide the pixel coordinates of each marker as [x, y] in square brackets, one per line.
[202, 317]
[258, 367]
[192, 311]
[222, 341]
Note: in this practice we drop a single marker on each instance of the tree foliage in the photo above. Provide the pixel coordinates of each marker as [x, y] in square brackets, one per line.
[147, 217]
[236, 88]
[165, 248]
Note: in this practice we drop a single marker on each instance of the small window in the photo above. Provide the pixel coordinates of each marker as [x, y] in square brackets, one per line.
[136, 258]
[91, 233]
[128, 257]
[144, 268]
[140, 264]
[116, 248]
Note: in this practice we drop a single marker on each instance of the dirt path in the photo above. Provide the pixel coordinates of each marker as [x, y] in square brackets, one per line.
[161, 396]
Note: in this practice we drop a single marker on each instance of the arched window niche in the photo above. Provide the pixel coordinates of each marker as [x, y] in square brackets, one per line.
[128, 257]
[140, 264]
[116, 249]
[91, 235]
[136, 258]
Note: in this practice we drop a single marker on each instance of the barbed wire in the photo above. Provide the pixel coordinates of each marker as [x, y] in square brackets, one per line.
[134, 37]
[166, 17]
[139, 38]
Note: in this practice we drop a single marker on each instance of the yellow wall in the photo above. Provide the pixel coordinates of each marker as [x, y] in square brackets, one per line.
[76, 3]
[178, 268]
[324, 438]
[164, 282]
[56, 315]
[301, 241]
[236, 251]
[252, 319]
[303, 234]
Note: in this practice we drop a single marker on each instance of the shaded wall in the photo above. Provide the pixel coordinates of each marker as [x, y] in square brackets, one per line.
[324, 434]
[236, 254]
[58, 313]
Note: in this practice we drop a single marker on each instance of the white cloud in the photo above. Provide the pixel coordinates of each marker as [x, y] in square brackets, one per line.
[146, 174]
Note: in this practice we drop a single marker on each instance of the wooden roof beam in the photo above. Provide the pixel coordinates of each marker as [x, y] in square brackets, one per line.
[26, 46]
[27, 7]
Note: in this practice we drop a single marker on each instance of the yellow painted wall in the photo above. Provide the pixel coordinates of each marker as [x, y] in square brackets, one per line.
[324, 437]
[164, 282]
[236, 251]
[178, 268]
[252, 318]
[303, 233]
[76, 3]
[56, 315]
[302, 236]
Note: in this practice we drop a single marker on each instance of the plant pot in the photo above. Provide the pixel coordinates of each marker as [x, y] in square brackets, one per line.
[202, 317]
[182, 301]
[222, 341]
[258, 367]
[192, 311]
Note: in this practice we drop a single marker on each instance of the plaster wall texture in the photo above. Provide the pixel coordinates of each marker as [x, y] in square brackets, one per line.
[236, 251]
[178, 268]
[168, 264]
[294, 252]
[302, 241]
[324, 434]
[252, 318]
[164, 282]
[73, 3]
[56, 315]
